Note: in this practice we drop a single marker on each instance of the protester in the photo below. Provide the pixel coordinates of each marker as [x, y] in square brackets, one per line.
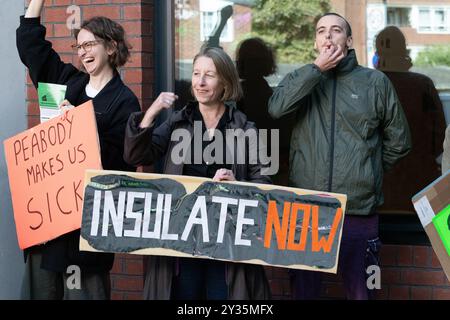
[215, 86]
[102, 49]
[350, 128]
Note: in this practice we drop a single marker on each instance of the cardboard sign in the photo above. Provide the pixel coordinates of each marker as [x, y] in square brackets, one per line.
[46, 170]
[433, 203]
[196, 217]
[442, 224]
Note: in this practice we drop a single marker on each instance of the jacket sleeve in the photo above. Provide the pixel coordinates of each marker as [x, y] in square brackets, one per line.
[396, 134]
[295, 87]
[37, 54]
[145, 146]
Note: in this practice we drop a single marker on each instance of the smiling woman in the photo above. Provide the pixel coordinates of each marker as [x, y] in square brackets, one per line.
[102, 48]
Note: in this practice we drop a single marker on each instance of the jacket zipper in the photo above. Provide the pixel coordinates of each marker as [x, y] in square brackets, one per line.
[333, 120]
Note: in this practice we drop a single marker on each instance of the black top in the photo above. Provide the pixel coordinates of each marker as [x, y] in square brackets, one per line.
[206, 169]
[112, 105]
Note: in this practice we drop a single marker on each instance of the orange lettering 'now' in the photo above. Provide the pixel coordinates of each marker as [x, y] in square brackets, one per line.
[323, 243]
[273, 220]
[306, 208]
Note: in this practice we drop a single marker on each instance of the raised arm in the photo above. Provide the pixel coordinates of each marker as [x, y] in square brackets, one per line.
[34, 9]
[36, 53]
[145, 144]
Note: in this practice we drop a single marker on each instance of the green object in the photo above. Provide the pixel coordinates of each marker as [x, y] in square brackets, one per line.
[442, 223]
[51, 95]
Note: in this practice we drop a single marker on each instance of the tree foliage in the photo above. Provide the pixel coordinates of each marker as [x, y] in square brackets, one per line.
[289, 26]
[437, 55]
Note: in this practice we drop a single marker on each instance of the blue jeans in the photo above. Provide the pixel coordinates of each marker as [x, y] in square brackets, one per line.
[200, 279]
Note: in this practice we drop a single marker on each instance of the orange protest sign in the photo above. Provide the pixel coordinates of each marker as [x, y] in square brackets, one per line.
[46, 167]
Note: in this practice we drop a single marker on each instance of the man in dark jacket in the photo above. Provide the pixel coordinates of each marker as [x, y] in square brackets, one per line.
[349, 129]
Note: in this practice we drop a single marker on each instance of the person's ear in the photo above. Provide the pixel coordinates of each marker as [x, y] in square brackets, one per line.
[349, 42]
[111, 48]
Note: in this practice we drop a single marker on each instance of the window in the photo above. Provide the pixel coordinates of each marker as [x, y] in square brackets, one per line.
[434, 20]
[398, 16]
[195, 20]
[424, 20]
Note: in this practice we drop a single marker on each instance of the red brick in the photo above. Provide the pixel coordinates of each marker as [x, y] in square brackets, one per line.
[126, 1]
[32, 94]
[33, 121]
[132, 28]
[388, 255]
[399, 293]
[117, 266]
[62, 2]
[405, 256]
[390, 275]
[28, 77]
[100, 1]
[421, 293]
[133, 296]
[117, 295]
[33, 108]
[382, 294]
[61, 30]
[63, 45]
[441, 293]
[422, 257]
[137, 12]
[422, 277]
[112, 12]
[128, 283]
[57, 14]
[132, 76]
[134, 267]
[139, 44]
[137, 90]
[435, 261]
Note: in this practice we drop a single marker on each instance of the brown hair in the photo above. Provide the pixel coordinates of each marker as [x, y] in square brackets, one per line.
[113, 36]
[226, 72]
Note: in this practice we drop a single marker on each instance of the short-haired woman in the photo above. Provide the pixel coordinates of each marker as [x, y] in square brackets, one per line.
[101, 48]
[215, 85]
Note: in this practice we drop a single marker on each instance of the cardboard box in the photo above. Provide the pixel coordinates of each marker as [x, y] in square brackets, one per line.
[433, 207]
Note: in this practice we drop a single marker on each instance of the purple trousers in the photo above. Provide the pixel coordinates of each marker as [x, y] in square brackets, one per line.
[359, 249]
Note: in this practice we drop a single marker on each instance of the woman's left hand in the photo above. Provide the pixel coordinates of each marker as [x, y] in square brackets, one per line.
[224, 175]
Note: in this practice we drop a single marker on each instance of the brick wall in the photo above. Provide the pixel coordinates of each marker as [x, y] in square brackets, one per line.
[136, 17]
[407, 273]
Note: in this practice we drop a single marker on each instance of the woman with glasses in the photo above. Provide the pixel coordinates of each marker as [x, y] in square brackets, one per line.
[102, 49]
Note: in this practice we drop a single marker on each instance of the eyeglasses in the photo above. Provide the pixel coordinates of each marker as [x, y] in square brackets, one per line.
[87, 46]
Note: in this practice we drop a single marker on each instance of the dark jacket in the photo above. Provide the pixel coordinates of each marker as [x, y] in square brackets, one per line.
[112, 105]
[143, 147]
[350, 127]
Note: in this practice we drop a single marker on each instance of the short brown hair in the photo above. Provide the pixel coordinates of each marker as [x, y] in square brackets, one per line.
[109, 31]
[226, 72]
